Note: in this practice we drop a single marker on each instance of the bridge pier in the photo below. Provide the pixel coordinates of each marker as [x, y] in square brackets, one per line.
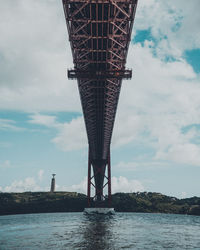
[96, 173]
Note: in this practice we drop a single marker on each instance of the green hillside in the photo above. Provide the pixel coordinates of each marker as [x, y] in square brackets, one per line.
[46, 202]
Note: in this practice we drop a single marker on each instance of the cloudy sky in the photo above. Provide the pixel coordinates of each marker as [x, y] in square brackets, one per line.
[156, 140]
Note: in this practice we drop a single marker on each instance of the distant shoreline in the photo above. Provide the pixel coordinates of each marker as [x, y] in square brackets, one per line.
[46, 202]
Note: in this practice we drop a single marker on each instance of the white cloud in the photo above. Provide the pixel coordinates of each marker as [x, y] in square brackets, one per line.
[119, 184]
[70, 136]
[128, 131]
[175, 24]
[28, 184]
[161, 99]
[183, 195]
[122, 184]
[40, 174]
[45, 120]
[183, 153]
[6, 124]
[35, 54]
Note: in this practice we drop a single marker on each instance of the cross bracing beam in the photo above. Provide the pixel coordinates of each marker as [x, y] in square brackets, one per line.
[99, 34]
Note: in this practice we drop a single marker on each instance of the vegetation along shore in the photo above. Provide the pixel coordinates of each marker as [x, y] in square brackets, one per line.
[46, 202]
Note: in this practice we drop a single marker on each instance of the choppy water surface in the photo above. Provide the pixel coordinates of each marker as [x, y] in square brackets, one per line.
[119, 231]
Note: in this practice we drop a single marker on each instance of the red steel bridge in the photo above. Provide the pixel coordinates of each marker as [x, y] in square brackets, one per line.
[99, 34]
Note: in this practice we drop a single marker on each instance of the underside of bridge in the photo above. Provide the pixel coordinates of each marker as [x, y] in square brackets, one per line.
[99, 34]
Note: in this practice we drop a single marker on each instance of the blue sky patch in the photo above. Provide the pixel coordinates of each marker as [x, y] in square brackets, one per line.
[193, 58]
[63, 117]
[142, 35]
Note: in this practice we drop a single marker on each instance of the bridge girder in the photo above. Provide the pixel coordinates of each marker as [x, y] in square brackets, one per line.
[99, 34]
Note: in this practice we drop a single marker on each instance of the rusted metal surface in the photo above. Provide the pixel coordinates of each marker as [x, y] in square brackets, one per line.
[99, 34]
[83, 74]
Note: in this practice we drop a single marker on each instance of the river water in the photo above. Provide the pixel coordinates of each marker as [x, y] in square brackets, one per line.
[120, 231]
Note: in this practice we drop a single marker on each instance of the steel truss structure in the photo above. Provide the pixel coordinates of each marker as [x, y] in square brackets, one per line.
[99, 34]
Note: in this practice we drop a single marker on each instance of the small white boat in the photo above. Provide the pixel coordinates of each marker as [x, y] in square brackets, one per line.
[99, 210]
